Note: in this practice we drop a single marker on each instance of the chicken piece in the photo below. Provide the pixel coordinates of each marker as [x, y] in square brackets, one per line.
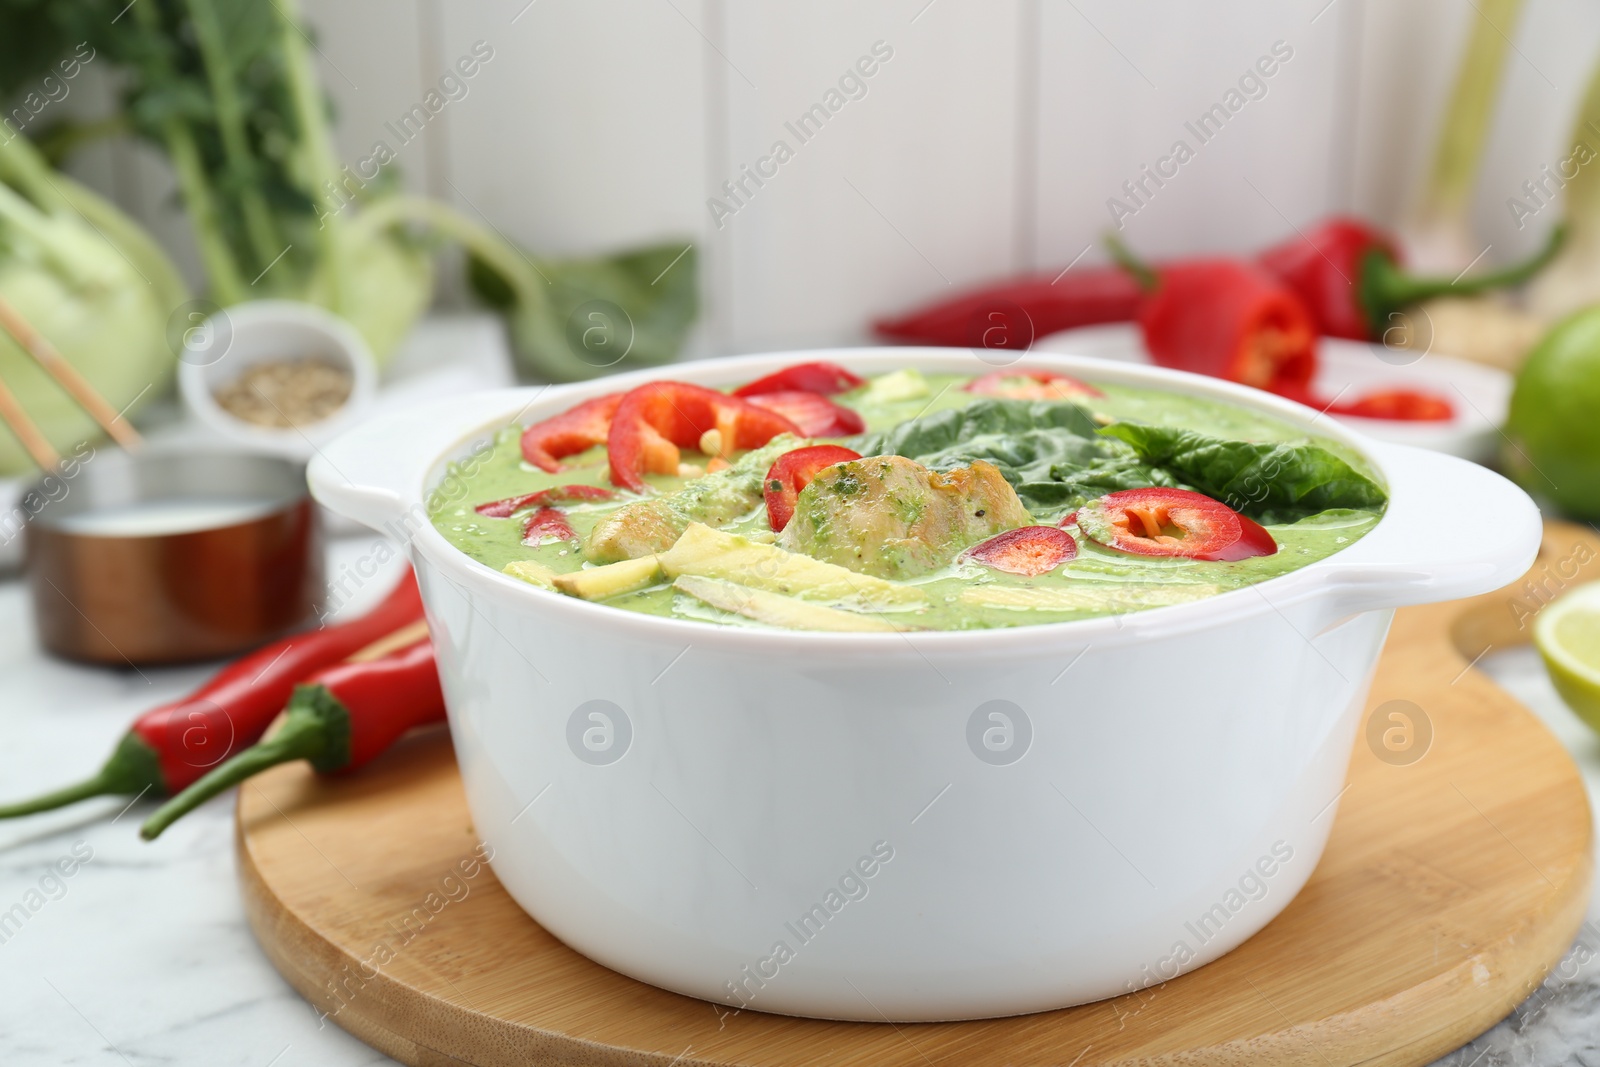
[890, 517]
[645, 527]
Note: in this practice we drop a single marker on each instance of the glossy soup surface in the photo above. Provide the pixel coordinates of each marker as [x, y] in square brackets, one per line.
[963, 595]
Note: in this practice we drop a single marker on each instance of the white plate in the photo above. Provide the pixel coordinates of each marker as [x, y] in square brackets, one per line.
[1347, 369]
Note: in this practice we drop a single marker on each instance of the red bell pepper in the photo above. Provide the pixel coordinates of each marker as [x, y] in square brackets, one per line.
[819, 376]
[816, 415]
[655, 420]
[339, 719]
[792, 472]
[574, 430]
[1031, 385]
[1016, 312]
[1350, 278]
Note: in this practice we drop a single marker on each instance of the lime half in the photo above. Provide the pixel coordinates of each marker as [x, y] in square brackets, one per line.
[1568, 636]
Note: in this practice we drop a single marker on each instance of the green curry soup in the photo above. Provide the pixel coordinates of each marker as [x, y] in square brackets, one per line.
[887, 542]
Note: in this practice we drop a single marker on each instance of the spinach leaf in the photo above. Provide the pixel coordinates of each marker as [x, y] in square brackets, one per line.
[1269, 481]
[1056, 457]
[1052, 469]
[1048, 451]
[938, 432]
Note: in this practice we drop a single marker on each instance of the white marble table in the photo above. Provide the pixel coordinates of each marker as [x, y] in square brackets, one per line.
[143, 957]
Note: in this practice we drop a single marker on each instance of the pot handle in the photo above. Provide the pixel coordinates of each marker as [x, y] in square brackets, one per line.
[1452, 529]
[376, 473]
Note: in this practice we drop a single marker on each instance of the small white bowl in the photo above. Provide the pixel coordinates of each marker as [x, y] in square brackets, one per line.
[234, 339]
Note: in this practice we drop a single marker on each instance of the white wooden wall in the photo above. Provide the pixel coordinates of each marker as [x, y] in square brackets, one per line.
[989, 142]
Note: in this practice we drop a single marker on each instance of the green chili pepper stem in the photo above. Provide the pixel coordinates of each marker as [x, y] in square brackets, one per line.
[1385, 288]
[99, 786]
[316, 727]
[1142, 272]
[132, 769]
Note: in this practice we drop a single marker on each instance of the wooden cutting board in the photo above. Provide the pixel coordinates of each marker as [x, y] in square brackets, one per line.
[1456, 876]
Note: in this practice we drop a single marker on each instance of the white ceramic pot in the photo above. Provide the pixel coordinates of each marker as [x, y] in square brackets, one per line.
[922, 826]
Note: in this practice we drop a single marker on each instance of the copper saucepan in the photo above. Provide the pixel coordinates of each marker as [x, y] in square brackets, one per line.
[166, 557]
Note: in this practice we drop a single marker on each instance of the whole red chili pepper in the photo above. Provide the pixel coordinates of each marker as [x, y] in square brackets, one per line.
[338, 719]
[1227, 318]
[1232, 319]
[173, 745]
[1018, 311]
[1350, 277]
[1348, 274]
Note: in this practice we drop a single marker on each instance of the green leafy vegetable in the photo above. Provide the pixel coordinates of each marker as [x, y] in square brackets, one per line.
[1056, 457]
[1048, 451]
[656, 289]
[1053, 470]
[933, 433]
[1269, 481]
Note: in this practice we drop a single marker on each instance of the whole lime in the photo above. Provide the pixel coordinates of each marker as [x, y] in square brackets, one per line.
[1553, 430]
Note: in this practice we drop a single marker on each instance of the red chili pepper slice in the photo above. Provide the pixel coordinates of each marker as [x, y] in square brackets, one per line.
[817, 377]
[576, 430]
[816, 415]
[655, 420]
[1028, 550]
[546, 524]
[1031, 385]
[1402, 405]
[337, 720]
[1254, 540]
[1160, 521]
[560, 494]
[792, 472]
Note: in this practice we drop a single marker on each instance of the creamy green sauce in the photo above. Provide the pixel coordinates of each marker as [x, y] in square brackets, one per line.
[1109, 582]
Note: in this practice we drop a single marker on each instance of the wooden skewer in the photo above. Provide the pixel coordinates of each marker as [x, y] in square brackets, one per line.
[27, 431]
[66, 375]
